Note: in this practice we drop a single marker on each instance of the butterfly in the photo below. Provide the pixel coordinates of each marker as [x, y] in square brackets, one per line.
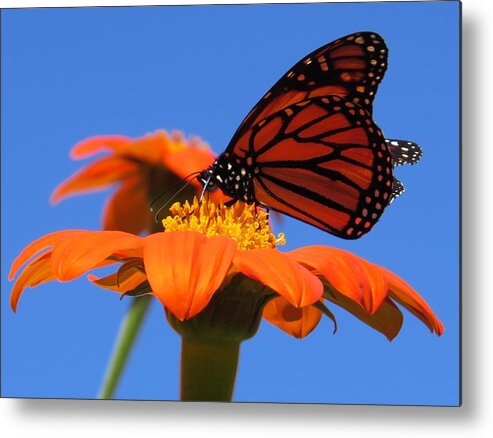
[310, 148]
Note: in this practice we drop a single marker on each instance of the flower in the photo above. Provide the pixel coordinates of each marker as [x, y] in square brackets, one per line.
[204, 247]
[144, 167]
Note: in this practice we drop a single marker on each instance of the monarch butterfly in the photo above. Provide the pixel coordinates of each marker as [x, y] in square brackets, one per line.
[310, 148]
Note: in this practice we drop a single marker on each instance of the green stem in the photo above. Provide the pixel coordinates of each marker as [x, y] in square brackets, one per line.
[208, 370]
[129, 329]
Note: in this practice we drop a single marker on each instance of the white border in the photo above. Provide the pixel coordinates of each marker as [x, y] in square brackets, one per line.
[79, 418]
[67, 3]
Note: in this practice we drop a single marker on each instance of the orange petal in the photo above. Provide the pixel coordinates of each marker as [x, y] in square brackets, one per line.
[37, 272]
[185, 268]
[126, 253]
[191, 159]
[93, 145]
[349, 274]
[406, 296]
[95, 176]
[378, 286]
[40, 244]
[149, 148]
[282, 274]
[72, 258]
[295, 321]
[128, 209]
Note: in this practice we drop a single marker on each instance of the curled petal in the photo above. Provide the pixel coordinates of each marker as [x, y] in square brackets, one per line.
[94, 145]
[185, 269]
[296, 321]
[37, 272]
[73, 257]
[95, 176]
[277, 271]
[349, 274]
[406, 296]
[387, 319]
[130, 280]
[40, 244]
[126, 209]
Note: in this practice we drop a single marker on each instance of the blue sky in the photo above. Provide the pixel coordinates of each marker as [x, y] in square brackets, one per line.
[68, 74]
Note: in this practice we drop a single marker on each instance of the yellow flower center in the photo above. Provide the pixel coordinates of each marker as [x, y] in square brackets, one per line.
[244, 223]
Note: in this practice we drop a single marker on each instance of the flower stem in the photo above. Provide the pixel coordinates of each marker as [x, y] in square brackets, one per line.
[208, 370]
[129, 329]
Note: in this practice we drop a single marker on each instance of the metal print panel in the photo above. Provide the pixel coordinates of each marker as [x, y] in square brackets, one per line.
[247, 203]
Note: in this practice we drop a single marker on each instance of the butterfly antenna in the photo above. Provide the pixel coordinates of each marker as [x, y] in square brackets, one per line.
[204, 189]
[174, 186]
[156, 216]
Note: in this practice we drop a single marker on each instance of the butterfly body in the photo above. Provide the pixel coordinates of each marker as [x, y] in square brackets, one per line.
[310, 148]
[233, 175]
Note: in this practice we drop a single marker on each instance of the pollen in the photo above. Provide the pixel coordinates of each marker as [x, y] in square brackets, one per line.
[242, 222]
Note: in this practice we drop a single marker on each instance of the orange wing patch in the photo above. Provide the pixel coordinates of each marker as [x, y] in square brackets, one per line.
[336, 121]
[267, 132]
[341, 193]
[360, 175]
[302, 118]
[351, 136]
[288, 150]
[299, 207]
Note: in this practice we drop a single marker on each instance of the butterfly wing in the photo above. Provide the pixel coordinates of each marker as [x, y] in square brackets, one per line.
[351, 67]
[404, 152]
[397, 189]
[323, 161]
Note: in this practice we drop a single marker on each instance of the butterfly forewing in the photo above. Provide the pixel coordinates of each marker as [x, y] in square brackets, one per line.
[350, 67]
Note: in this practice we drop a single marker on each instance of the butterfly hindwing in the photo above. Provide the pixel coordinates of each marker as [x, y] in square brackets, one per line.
[322, 161]
[397, 189]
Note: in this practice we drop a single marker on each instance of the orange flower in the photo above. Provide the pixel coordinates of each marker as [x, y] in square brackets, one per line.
[144, 168]
[203, 247]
